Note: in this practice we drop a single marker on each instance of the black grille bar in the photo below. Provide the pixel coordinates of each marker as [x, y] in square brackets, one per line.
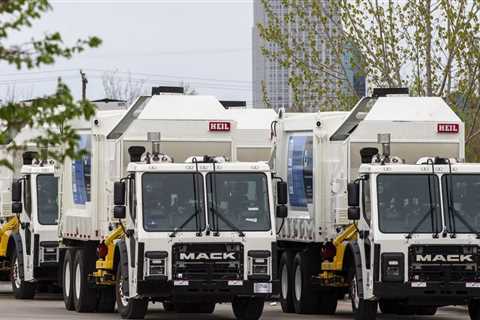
[208, 261]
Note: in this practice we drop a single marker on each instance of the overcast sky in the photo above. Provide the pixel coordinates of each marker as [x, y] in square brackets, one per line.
[206, 43]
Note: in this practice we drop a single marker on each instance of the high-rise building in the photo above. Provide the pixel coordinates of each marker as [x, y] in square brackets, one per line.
[275, 77]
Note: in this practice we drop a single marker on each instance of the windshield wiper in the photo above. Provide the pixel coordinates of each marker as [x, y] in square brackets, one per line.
[419, 224]
[227, 222]
[194, 215]
[454, 213]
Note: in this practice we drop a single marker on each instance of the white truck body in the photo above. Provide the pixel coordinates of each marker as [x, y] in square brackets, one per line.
[183, 123]
[330, 154]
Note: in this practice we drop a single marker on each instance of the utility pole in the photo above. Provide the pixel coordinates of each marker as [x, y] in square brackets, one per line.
[84, 85]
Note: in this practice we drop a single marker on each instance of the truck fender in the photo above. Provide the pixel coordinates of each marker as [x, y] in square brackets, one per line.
[353, 254]
[123, 265]
[17, 240]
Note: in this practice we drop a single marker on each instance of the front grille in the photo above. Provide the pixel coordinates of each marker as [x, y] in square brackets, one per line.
[443, 263]
[207, 261]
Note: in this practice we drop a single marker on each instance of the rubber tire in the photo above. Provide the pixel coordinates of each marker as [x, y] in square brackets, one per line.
[328, 303]
[168, 306]
[135, 308]
[206, 307]
[106, 300]
[26, 290]
[4, 276]
[246, 308]
[286, 301]
[68, 295]
[426, 310]
[366, 309]
[307, 303]
[388, 306]
[87, 299]
[474, 309]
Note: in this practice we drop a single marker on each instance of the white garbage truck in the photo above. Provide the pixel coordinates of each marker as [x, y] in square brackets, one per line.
[190, 233]
[28, 235]
[406, 234]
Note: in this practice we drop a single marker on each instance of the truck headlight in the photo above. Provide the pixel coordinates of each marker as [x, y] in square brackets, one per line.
[156, 263]
[393, 267]
[259, 263]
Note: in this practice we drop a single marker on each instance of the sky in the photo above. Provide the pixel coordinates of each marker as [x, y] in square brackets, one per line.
[205, 43]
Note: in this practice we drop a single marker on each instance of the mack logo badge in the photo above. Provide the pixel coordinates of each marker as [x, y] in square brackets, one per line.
[444, 258]
[208, 256]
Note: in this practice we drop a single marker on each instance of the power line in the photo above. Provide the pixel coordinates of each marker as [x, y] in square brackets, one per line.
[106, 71]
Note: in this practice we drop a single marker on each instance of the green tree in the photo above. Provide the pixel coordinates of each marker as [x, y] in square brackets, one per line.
[431, 47]
[52, 113]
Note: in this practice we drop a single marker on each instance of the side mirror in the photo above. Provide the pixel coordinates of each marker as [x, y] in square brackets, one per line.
[282, 211]
[282, 192]
[354, 213]
[119, 212]
[119, 193]
[17, 207]
[353, 194]
[16, 191]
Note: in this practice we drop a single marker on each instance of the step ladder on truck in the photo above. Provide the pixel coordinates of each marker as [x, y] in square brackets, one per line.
[380, 207]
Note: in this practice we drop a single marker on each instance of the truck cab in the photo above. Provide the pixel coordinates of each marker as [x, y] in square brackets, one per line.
[418, 236]
[196, 234]
[31, 242]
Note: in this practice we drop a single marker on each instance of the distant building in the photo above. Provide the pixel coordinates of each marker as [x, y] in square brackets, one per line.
[275, 76]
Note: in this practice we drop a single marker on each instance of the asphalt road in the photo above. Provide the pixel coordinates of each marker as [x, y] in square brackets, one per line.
[48, 306]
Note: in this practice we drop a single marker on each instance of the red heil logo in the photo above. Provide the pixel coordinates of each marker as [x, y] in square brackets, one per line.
[448, 128]
[219, 126]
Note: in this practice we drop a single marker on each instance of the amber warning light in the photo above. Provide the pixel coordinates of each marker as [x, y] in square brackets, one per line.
[448, 128]
[219, 126]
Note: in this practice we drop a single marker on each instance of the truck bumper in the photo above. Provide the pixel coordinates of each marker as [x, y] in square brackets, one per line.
[434, 293]
[197, 290]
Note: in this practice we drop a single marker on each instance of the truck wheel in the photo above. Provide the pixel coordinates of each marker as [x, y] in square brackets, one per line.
[128, 308]
[328, 303]
[195, 307]
[362, 309]
[84, 297]
[168, 306]
[305, 300]
[474, 310]
[4, 276]
[388, 306]
[21, 289]
[106, 300]
[246, 308]
[426, 310]
[286, 298]
[67, 280]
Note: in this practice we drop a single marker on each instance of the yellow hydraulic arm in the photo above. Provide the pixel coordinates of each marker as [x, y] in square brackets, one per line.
[329, 268]
[104, 267]
[5, 231]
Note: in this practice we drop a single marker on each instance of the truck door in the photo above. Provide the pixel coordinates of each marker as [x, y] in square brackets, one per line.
[365, 235]
[26, 230]
[132, 239]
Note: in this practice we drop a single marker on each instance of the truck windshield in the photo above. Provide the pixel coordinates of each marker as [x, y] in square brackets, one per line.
[460, 196]
[172, 201]
[408, 203]
[47, 206]
[238, 201]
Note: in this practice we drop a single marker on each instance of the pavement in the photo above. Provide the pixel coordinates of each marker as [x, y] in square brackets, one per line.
[50, 306]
